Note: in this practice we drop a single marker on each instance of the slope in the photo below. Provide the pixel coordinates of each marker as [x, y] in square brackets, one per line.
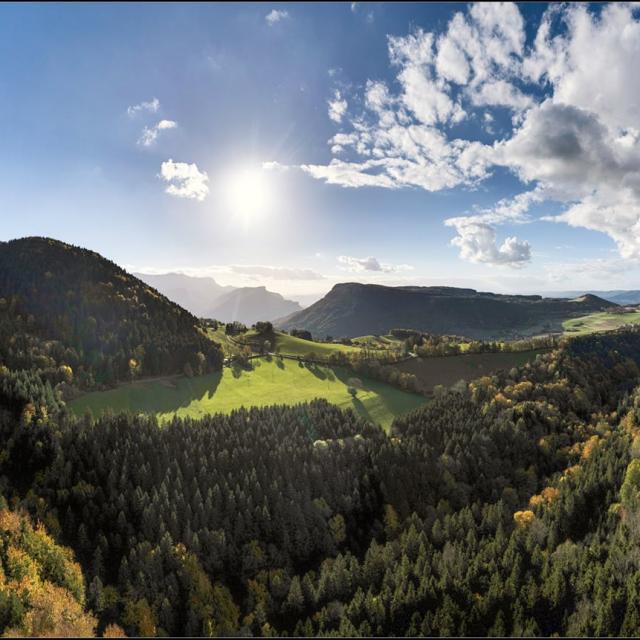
[73, 314]
[353, 309]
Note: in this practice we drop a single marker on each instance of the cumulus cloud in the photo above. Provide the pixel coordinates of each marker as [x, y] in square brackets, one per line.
[150, 134]
[574, 139]
[477, 243]
[337, 107]
[151, 106]
[276, 15]
[185, 180]
[371, 264]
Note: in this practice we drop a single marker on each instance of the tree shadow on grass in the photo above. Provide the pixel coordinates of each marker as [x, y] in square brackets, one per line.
[317, 371]
[360, 409]
[153, 397]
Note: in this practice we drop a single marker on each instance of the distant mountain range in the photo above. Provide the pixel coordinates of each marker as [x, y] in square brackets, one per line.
[353, 309]
[195, 294]
[619, 296]
[250, 304]
[205, 298]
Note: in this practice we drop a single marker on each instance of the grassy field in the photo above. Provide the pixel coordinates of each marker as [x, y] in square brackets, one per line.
[449, 369]
[270, 382]
[284, 343]
[290, 345]
[602, 321]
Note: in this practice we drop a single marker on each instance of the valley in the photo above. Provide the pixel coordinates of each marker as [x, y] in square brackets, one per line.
[320, 320]
[270, 381]
[160, 449]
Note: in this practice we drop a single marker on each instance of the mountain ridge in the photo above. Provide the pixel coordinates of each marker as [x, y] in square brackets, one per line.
[351, 309]
[251, 304]
[65, 306]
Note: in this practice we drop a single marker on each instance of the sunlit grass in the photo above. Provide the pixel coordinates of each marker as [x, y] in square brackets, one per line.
[270, 382]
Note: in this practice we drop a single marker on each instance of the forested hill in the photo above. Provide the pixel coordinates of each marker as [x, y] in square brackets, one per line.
[508, 506]
[73, 314]
[354, 309]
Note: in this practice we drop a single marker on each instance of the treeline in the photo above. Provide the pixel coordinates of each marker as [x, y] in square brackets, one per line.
[81, 320]
[508, 506]
[428, 345]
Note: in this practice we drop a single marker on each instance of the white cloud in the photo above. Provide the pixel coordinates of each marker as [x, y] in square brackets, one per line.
[276, 15]
[150, 134]
[371, 264]
[348, 174]
[185, 180]
[574, 140]
[354, 7]
[511, 210]
[337, 107]
[272, 165]
[152, 107]
[477, 243]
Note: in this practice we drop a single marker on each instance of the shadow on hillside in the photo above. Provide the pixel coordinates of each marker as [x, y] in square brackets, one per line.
[361, 410]
[150, 396]
[188, 390]
[317, 371]
[396, 401]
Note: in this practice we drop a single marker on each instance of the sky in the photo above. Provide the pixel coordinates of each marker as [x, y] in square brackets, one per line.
[298, 145]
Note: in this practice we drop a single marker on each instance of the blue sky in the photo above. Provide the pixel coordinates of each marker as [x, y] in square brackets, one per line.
[299, 145]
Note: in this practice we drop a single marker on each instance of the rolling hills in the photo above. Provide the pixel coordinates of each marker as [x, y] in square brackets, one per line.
[353, 309]
[79, 317]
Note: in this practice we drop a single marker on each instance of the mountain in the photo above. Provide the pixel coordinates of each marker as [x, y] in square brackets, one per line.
[73, 314]
[196, 294]
[619, 296]
[353, 309]
[250, 304]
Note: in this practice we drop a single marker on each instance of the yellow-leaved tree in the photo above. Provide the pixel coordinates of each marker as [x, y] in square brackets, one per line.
[41, 585]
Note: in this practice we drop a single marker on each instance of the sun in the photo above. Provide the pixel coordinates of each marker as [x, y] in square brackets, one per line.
[248, 194]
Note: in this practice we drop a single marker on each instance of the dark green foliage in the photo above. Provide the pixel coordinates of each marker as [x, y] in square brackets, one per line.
[63, 305]
[507, 507]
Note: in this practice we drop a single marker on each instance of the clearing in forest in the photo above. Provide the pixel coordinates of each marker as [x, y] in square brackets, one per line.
[271, 381]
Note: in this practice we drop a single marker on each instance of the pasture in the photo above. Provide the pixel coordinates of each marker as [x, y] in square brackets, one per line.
[603, 321]
[271, 381]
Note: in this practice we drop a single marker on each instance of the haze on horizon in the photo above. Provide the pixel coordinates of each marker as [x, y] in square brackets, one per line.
[299, 145]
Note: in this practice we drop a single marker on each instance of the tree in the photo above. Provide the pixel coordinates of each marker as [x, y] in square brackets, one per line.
[295, 599]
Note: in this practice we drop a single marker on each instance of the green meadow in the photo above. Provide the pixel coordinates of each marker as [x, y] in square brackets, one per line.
[269, 382]
[291, 345]
[603, 321]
